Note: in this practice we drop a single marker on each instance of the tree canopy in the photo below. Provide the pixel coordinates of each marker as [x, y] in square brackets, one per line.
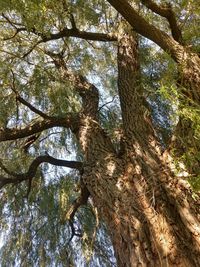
[59, 64]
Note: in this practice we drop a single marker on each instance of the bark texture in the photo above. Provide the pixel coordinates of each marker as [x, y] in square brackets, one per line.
[188, 64]
[188, 61]
[151, 216]
[150, 213]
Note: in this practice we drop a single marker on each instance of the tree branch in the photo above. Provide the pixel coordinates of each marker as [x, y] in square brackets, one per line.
[69, 121]
[74, 32]
[14, 24]
[141, 26]
[24, 102]
[32, 48]
[31, 107]
[166, 12]
[88, 92]
[17, 178]
[82, 200]
[65, 32]
[15, 34]
[109, 102]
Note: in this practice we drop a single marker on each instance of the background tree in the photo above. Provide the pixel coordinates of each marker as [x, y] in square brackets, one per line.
[80, 89]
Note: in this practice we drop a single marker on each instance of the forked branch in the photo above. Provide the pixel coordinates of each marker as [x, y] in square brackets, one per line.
[65, 32]
[15, 178]
[141, 26]
[166, 11]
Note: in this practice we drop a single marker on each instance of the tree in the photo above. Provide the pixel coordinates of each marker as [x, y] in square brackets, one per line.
[53, 59]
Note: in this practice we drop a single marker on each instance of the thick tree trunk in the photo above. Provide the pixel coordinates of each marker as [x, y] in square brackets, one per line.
[188, 64]
[150, 214]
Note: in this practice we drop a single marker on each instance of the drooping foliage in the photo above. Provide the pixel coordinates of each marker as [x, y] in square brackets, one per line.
[38, 224]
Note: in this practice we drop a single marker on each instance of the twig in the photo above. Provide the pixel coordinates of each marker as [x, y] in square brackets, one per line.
[32, 48]
[107, 103]
[23, 101]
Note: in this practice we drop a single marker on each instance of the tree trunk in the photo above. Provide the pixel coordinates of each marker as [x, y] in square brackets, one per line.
[188, 64]
[150, 214]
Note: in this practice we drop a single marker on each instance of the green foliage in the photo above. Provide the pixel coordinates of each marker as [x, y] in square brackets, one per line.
[35, 230]
[187, 114]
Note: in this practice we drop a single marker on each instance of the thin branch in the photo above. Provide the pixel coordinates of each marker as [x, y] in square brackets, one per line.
[82, 200]
[32, 48]
[109, 102]
[166, 11]
[13, 55]
[5, 169]
[17, 178]
[24, 102]
[73, 22]
[47, 136]
[29, 187]
[74, 32]
[15, 34]
[65, 32]
[29, 141]
[14, 24]
[31, 107]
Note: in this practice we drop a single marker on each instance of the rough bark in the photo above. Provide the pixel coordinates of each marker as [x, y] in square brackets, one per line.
[150, 213]
[188, 64]
[151, 216]
[141, 26]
